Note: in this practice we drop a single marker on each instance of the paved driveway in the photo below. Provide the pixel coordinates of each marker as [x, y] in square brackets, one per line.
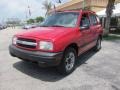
[95, 71]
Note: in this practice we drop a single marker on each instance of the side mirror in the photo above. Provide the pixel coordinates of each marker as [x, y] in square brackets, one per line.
[86, 26]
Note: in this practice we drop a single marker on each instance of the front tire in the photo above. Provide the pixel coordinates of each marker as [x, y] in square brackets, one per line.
[67, 64]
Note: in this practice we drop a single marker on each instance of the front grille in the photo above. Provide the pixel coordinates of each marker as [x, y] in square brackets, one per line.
[26, 43]
[28, 40]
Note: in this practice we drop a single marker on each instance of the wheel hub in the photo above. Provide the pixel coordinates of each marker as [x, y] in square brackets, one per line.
[70, 61]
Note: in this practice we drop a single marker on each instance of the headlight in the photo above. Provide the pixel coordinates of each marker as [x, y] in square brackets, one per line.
[44, 45]
[14, 40]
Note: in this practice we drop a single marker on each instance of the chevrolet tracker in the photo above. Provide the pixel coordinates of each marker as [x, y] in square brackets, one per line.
[58, 41]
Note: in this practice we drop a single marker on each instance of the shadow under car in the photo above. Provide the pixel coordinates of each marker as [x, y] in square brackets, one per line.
[48, 74]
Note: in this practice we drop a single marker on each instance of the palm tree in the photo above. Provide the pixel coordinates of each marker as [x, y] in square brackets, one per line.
[48, 6]
[109, 11]
[59, 1]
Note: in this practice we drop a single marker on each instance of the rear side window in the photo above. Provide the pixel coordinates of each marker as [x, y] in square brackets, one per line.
[93, 19]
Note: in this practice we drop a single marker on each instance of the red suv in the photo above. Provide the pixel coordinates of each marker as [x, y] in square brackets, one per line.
[59, 40]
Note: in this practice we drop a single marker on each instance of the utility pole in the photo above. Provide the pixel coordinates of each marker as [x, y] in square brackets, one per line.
[59, 1]
[29, 10]
[54, 8]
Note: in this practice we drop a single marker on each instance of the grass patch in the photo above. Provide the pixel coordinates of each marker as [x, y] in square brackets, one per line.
[111, 37]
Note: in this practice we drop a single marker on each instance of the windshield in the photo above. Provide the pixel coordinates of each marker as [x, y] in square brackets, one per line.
[65, 19]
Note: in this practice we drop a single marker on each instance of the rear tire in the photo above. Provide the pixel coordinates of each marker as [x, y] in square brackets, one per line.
[67, 64]
[98, 45]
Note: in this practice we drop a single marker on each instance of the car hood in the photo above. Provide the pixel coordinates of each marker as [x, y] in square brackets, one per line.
[46, 32]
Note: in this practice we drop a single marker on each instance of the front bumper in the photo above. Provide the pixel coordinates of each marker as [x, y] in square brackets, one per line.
[42, 58]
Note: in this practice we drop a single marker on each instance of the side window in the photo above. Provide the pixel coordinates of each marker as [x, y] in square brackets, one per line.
[93, 19]
[84, 20]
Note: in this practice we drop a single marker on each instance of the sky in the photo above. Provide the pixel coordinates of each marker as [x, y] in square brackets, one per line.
[19, 8]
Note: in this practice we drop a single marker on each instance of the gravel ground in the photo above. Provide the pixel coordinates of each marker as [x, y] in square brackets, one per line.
[94, 71]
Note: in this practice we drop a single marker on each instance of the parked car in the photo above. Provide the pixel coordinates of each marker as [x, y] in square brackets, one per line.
[62, 37]
[29, 26]
[3, 26]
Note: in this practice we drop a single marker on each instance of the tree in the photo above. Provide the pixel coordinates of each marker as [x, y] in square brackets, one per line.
[109, 11]
[59, 1]
[30, 21]
[48, 6]
[39, 19]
